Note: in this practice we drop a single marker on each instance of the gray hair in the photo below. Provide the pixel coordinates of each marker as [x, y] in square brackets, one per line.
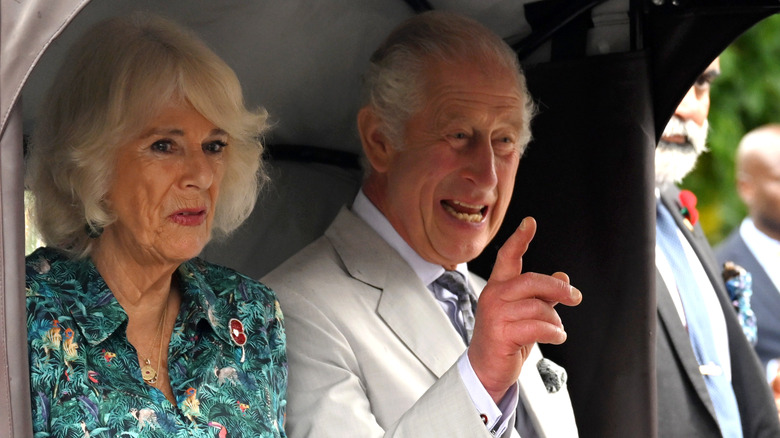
[394, 83]
[117, 77]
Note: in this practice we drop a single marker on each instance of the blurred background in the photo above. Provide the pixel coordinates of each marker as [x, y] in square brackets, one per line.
[745, 96]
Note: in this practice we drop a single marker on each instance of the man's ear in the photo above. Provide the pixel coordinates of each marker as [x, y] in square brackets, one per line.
[375, 143]
[745, 188]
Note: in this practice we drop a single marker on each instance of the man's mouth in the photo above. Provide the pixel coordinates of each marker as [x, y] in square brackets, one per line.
[677, 139]
[464, 211]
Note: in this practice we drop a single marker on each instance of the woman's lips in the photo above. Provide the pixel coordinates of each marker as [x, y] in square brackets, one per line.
[189, 218]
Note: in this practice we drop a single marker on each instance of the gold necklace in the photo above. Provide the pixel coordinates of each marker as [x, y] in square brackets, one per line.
[148, 373]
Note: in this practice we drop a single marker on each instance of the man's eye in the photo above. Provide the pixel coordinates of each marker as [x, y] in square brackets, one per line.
[703, 83]
[504, 145]
[215, 146]
[504, 141]
[460, 136]
[162, 146]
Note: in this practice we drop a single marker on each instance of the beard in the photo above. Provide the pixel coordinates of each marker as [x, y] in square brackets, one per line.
[673, 161]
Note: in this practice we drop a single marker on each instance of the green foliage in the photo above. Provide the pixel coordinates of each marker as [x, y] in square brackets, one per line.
[745, 96]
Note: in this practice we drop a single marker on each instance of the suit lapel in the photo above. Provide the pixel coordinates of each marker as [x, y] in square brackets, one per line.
[405, 305]
[670, 319]
[696, 238]
[761, 280]
[667, 311]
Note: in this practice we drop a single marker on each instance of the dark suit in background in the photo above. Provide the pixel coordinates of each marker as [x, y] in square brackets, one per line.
[766, 297]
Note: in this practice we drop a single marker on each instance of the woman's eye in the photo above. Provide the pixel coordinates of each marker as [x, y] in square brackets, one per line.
[215, 146]
[162, 146]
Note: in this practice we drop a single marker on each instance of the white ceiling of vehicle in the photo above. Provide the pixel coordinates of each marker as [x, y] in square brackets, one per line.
[299, 59]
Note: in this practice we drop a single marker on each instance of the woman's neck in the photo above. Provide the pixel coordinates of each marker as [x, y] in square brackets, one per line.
[149, 294]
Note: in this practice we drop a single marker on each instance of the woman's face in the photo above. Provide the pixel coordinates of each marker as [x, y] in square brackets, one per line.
[166, 185]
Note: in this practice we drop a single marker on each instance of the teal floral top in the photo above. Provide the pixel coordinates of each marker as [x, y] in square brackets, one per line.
[227, 360]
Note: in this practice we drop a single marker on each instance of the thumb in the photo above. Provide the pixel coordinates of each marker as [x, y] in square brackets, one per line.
[509, 260]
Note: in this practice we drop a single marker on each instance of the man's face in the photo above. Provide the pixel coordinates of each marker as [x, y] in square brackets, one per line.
[447, 188]
[759, 183]
[685, 136]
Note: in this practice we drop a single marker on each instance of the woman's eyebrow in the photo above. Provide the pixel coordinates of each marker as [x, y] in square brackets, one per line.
[176, 132]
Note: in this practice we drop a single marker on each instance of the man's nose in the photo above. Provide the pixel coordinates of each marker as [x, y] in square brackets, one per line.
[481, 167]
[694, 106]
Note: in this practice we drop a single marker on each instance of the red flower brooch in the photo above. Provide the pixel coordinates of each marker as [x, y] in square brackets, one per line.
[238, 336]
[688, 209]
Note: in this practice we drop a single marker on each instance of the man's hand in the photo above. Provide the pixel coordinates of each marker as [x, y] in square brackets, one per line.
[514, 311]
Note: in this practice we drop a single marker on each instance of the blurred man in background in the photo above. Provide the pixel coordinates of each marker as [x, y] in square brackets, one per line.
[755, 244]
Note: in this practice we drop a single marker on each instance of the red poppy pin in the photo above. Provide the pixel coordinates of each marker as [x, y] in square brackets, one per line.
[238, 336]
[688, 209]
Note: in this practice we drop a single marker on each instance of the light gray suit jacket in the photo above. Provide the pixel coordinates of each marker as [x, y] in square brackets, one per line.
[372, 354]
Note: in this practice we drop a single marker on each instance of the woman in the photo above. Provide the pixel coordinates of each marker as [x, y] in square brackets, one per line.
[143, 147]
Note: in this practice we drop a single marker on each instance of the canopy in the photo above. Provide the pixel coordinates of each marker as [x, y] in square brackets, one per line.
[606, 74]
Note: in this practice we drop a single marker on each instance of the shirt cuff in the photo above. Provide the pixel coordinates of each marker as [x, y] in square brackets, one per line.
[495, 417]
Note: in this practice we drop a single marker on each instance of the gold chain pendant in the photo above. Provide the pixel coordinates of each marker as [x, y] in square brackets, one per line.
[148, 373]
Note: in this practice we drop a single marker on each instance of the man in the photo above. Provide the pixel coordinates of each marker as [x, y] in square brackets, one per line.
[755, 245]
[375, 343]
[709, 378]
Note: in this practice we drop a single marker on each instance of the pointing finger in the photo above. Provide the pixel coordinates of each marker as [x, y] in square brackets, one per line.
[509, 260]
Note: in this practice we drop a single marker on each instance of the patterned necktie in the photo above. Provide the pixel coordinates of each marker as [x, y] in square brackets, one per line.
[699, 328]
[454, 282]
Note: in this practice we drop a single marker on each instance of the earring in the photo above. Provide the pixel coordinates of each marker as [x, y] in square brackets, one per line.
[93, 231]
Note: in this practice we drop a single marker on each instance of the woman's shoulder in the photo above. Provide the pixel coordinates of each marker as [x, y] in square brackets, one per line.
[40, 261]
[48, 266]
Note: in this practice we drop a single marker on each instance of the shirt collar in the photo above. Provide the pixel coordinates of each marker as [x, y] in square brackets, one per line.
[202, 301]
[426, 271]
[757, 241]
[98, 313]
[95, 310]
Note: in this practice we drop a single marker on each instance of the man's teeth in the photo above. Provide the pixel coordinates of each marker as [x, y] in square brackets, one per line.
[472, 206]
[468, 217]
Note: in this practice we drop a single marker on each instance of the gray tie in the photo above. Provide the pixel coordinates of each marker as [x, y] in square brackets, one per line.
[454, 282]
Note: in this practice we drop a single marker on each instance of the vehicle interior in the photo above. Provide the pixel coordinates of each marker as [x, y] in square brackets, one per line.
[606, 76]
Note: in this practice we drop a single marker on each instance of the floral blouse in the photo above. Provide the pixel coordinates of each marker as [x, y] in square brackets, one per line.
[227, 360]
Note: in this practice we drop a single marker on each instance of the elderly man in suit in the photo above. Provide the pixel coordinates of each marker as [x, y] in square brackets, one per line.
[755, 245]
[377, 341]
[710, 382]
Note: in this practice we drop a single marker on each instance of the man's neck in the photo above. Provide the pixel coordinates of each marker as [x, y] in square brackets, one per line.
[771, 230]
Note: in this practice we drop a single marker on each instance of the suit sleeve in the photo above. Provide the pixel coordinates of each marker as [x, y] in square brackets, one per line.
[327, 399]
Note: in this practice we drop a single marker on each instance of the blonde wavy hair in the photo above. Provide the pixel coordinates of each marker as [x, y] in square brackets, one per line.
[114, 80]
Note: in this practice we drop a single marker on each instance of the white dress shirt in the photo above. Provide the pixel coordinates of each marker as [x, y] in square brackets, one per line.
[764, 248]
[767, 251]
[497, 415]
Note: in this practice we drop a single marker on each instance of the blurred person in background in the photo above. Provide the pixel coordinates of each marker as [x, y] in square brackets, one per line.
[709, 378]
[755, 244]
